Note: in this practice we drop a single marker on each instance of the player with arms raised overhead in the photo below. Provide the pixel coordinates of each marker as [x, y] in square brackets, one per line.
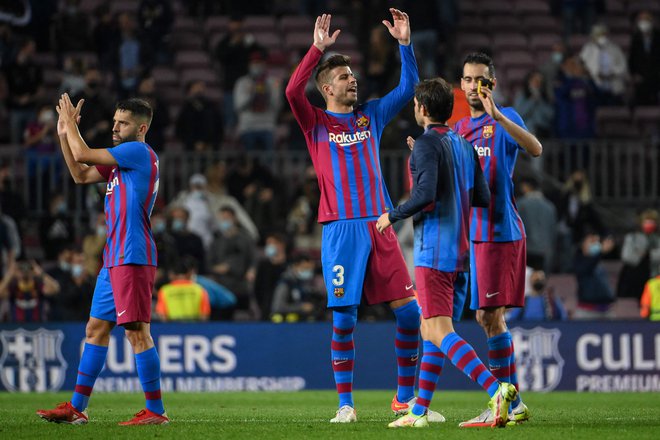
[124, 285]
[343, 142]
[447, 180]
[497, 254]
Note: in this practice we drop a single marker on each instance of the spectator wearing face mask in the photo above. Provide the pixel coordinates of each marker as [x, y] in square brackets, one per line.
[606, 64]
[595, 295]
[257, 101]
[76, 290]
[56, 227]
[99, 109]
[643, 59]
[186, 242]
[541, 304]
[298, 297]
[640, 255]
[268, 272]
[196, 200]
[199, 123]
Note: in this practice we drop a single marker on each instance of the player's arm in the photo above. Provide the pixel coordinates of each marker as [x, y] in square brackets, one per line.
[79, 149]
[424, 188]
[480, 190]
[295, 89]
[523, 137]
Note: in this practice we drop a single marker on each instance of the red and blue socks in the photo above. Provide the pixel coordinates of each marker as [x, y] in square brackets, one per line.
[461, 354]
[148, 369]
[406, 346]
[91, 364]
[502, 361]
[429, 372]
[343, 352]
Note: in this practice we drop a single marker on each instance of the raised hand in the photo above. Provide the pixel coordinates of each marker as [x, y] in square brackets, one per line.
[62, 120]
[400, 28]
[322, 37]
[489, 103]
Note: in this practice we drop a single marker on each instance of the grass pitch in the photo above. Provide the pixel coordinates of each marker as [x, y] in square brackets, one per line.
[305, 415]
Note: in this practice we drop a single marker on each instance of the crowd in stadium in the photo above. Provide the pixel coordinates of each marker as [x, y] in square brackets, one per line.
[214, 72]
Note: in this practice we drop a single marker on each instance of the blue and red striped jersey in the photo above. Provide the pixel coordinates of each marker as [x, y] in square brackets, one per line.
[497, 152]
[129, 198]
[345, 148]
[447, 181]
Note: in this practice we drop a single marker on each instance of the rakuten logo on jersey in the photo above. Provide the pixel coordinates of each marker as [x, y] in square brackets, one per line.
[482, 151]
[346, 139]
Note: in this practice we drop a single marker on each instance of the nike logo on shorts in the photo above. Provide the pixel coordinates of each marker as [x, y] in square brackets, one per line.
[490, 295]
[339, 362]
[121, 313]
[409, 287]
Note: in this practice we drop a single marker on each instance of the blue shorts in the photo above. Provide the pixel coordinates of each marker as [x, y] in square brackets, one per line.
[103, 303]
[357, 259]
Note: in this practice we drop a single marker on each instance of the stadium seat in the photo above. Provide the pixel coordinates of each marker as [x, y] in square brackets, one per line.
[615, 7]
[514, 78]
[267, 39]
[518, 58]
[254, 23]
[120, 6]
[207, 75]
[509, 41]
[172, 95]
[575, 42]
[472, 42]
[347, 41]
[45, 59]
[297, 40]
[490, 7]
[165, 76]
[542, 23]
[503, 24]
[643, 5]
[613, 122]
[647, 120]
[532, 7]
[186, 59]
[183, 23]
[468, 7]
[88, 6]
[216, 24]
[617, 24]
[622, 40]
[543, 42]
[299, 23]
[187, 41]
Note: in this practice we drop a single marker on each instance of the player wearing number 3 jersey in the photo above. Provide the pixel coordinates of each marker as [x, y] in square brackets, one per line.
[124, 285]
[343, 142]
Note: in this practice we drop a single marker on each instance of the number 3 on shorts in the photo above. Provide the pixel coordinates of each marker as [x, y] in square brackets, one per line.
[338, 280]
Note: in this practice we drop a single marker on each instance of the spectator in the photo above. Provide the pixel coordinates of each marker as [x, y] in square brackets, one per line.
[201, 219]
[607, 65]
[381, 63]
[595, 295]
[268, 272]
[56, 227]
[263, 205]
[302, 218]
[73, 76]
[11, 202]
[93, 244]
[579, 15]
[26, 285]
[99, 110]
[182, 299]
[231, 255]
[131, 55]
[541, 304]
[155, 18]
[248, 170]
[643, 59]
[106, 38]
[71, 29]
[186, 242]
[575, 101]
[11, 246]
[257, 101]
[551, 69]
[199, 124]
[640, 255]
[232, 54]
[650, 302]
[40, 145]
[24, 79]
[534, 105]
[61, 271]
[75, 296]
[298, 297]
[161, 119]
[540, 219]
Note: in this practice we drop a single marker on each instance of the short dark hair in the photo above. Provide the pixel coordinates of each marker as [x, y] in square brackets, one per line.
[480, 58]
[437, 96]
[323, 71]
[138, 107]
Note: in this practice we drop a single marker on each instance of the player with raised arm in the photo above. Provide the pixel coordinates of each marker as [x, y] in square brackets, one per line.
[343, 142]
[124, 285]
[498, 256]
[447, 181]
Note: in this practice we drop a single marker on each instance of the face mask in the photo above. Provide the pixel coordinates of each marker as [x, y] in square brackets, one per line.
[557, 57]
[76, 270]
[306, 274]
[270, 251]
[256, 70]
[66, 267]
[601, 40]
[538, 285]
[649, 226]
[225, 225]
[158, 227]
[60, 208]
[177, 225]
[645, 26]
[594, 249]
[100, 230]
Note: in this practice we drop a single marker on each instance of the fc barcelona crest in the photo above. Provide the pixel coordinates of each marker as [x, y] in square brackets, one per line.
[363, 121]
[339, 292]
[487, 132]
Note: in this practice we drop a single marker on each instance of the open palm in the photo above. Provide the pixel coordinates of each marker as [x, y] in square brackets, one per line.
[400, 26]
[322, 37]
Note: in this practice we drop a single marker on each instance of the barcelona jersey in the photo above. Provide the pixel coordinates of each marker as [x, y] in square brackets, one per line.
[129, 198]
[344, 147]
[497, 152]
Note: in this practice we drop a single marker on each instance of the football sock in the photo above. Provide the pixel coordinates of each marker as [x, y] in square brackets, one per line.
[91, 364]
[148, 369]
[461, 354]
[343, 352]
[429, 373]
[406, 347]
[501, 360]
